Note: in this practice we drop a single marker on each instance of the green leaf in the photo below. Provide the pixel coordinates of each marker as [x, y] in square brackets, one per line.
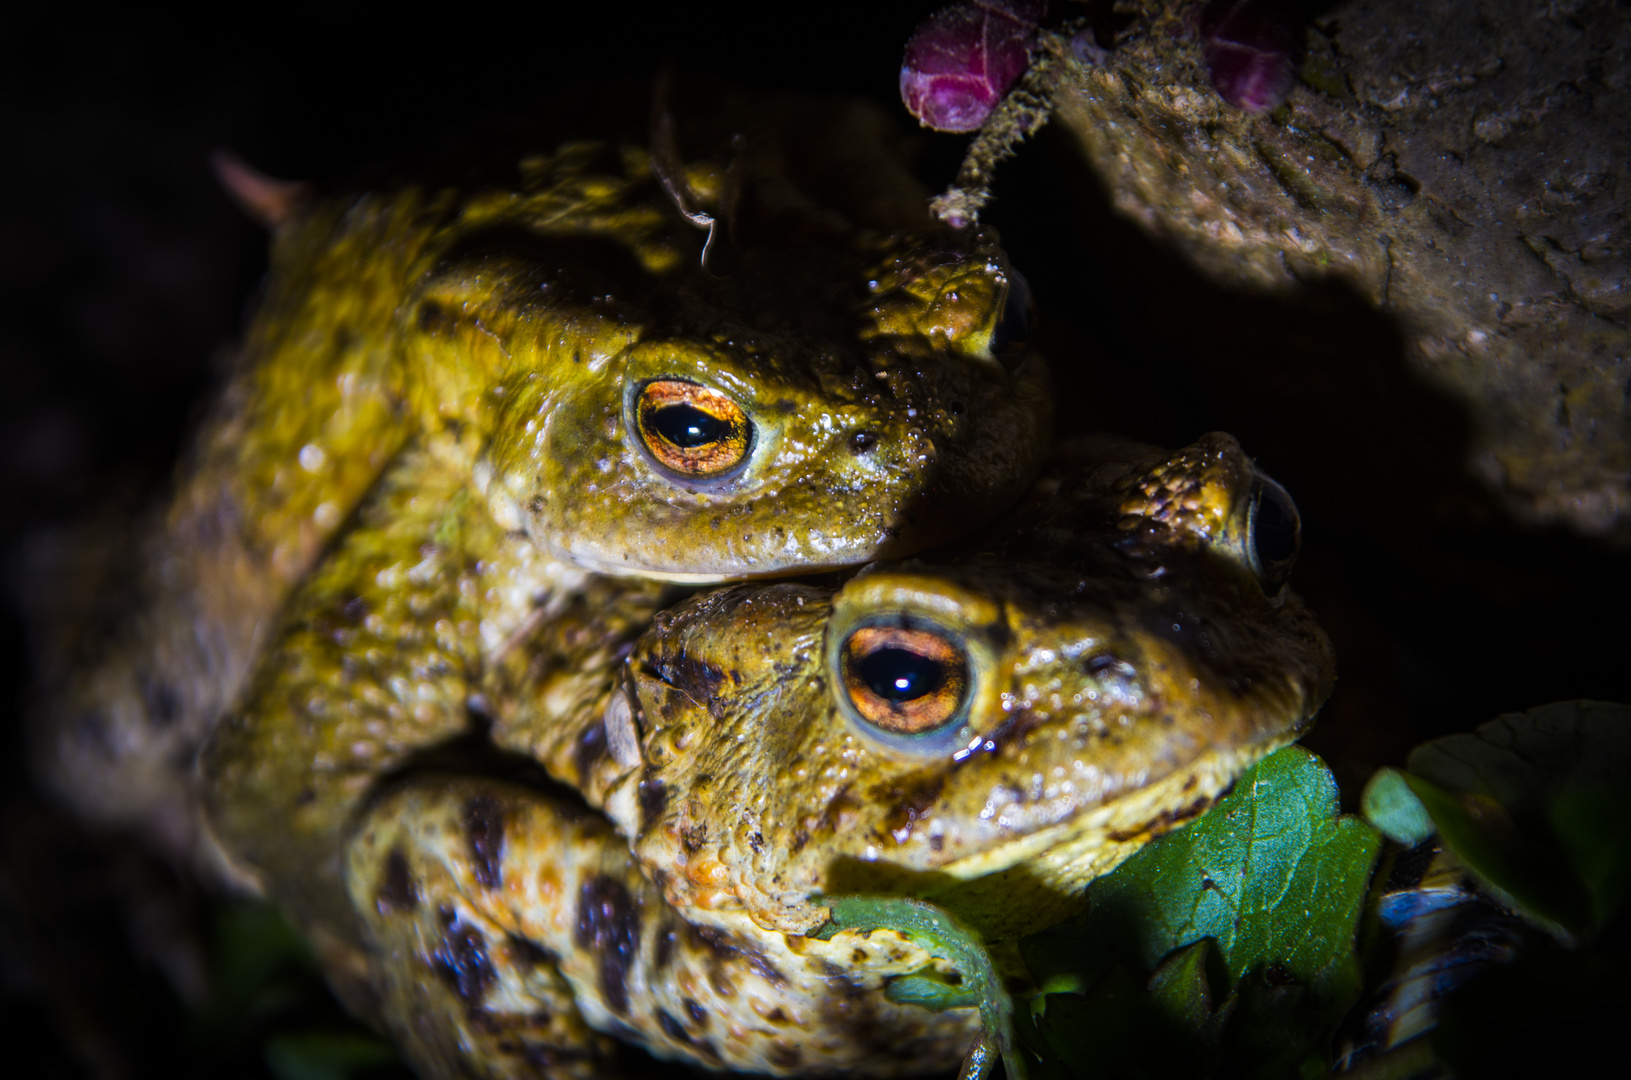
[935, 929]
[1273, 873]
[1180, 988]
[1273, 878]
[1395, 811]
[253, 942]
[1538, 805]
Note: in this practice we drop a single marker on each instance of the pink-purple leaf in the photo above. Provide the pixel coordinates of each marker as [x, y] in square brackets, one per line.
[1251, 48]
[961, 60]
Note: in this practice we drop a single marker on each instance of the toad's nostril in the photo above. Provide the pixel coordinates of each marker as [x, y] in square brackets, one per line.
[862, 442]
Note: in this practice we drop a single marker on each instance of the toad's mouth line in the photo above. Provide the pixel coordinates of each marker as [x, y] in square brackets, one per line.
[1070, 853]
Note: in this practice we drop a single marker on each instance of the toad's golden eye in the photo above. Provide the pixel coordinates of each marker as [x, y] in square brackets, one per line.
[694, 432]
[904, 681]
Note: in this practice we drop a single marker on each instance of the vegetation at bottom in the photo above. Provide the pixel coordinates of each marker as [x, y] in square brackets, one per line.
[267, 994]
[1470, 922]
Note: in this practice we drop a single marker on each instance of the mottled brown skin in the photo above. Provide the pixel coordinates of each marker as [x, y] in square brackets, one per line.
[408, 635]
[512, 324]
[1130, 648]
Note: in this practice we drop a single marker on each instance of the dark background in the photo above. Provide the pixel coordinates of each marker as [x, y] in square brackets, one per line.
[123, 269]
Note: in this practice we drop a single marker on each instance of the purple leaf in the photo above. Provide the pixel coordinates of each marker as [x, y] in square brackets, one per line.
[1251, 49]
[961, 60]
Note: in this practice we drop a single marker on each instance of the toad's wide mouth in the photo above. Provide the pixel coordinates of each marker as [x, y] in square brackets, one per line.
[765, 550]
[1063, 857]
[1073, 852]
[1036, 880]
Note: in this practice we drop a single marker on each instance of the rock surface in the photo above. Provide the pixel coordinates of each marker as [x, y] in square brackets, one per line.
[1462, 166]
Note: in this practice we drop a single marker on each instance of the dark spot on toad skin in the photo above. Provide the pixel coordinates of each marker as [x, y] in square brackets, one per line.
[355, 610]
[757, 842]
[91, 728]
[617, 1029]
[759, 962]
[727, 948]
[1164, 821]
[842, 804]
[432, 319]
[589, 750]
[851, 1011]
[673, 1028]
[663, 953]
[1016, 724]
[693, 837]
[398, 892]
[653, 797]
[699, 1015]
[609, 924]
[721, 982]
[784, 1055]
[547, 1058]
[162, 701]
[460, 960]
[697, 679]
[483, 1021]
[717, 942]
[528, 955]
[908, 803]
[484, 831]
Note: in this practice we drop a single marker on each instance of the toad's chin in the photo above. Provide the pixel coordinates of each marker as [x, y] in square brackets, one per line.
[743, 561]
[1068, 855]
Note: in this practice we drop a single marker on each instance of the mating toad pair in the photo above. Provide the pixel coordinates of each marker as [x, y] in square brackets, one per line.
[438, 531]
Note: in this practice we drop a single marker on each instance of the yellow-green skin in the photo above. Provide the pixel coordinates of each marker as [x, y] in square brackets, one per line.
[509, 327]
[1130, 657]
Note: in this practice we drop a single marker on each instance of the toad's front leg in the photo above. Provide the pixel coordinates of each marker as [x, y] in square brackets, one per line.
[487, 907]
[370, 664]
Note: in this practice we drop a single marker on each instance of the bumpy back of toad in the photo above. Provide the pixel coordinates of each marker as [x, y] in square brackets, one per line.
[856, 387]
[990, 730]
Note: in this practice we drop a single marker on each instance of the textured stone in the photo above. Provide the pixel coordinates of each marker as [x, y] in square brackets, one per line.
[1461, 166]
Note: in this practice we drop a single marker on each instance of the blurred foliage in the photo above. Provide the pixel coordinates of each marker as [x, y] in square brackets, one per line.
[1229, 947]
[268, 995]
[1533, 804]
[322, 1055]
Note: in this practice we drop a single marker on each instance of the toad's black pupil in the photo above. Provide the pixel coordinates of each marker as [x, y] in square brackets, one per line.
[1274, 528]
[900, 674]
[688, 427]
